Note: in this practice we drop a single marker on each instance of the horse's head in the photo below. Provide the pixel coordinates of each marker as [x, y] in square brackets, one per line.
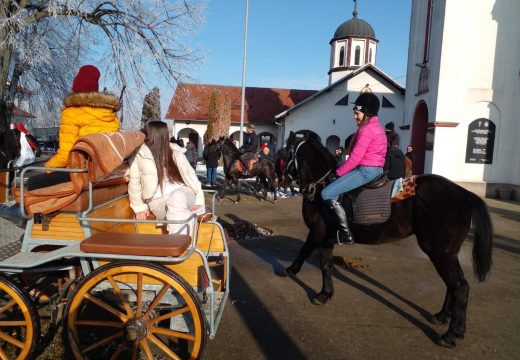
[307, 160]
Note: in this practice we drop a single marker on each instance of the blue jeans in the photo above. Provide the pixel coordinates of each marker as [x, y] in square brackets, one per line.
[354, 179]
[212, 175]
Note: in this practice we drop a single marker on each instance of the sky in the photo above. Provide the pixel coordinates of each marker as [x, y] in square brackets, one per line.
[288, 40]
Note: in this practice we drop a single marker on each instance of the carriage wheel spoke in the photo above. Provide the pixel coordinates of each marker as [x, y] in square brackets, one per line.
[102, 342]
[7, 306]
[146, 348]
[165, 349]
[116, 354]
[139, 294]
[169, 315]
[107, 307]
[173, 333]
[113, 324]
[11, 340]
[13, 323]
[135, 349]
[156, 300]
[119, 293]
[3, 356]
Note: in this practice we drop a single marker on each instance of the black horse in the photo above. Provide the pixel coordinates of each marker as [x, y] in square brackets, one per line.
[440, 215]
[263, 169]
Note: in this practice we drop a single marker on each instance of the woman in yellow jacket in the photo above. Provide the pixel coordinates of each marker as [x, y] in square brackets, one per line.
[86, 111]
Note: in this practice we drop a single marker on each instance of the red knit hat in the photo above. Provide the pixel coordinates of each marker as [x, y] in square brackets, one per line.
[264, 145]
[87, 79]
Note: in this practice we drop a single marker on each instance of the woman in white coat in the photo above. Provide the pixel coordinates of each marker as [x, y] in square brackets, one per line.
[162, 180]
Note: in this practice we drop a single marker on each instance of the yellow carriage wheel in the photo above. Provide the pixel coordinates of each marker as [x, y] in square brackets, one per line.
[19, 323]
[134, 310]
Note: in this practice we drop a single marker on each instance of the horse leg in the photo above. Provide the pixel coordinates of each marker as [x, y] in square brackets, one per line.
[327, 266]
[306, 250]
[444, 315]
[456, 301]
[237, 189]
[273, 183]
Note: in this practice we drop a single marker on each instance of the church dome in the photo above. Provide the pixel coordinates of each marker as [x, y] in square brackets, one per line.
[354, 27]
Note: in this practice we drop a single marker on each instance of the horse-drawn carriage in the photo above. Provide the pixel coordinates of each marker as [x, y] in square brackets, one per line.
[121, 288]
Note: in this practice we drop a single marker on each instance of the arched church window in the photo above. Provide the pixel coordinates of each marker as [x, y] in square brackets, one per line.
[342, 56]
[357, 55]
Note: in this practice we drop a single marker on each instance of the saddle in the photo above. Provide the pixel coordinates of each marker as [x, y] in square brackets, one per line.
[250, 164]
[371, 204]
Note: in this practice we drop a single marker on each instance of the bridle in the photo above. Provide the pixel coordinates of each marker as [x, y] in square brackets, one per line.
[310, 190]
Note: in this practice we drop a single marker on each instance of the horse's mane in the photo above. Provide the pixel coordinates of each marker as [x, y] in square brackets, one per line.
[322, 151]
[229, 148]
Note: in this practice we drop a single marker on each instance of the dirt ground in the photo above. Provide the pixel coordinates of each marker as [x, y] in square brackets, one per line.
[380, 305]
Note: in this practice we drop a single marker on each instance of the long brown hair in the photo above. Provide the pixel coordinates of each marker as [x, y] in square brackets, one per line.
[158, 142]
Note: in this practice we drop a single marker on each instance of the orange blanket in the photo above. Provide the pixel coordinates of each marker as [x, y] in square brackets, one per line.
[100, 154]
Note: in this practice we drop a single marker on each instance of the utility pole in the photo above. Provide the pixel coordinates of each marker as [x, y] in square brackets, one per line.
[244, 62]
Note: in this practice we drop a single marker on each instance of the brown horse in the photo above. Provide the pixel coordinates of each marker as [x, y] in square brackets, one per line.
[440, 215]
[263, 169]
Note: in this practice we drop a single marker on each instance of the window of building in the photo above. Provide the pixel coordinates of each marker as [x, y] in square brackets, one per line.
[342, 56]
[357, 55]
[386, 103]
[370, 55]
[343, 101]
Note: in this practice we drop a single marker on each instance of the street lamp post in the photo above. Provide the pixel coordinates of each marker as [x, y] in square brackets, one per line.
[244, 62]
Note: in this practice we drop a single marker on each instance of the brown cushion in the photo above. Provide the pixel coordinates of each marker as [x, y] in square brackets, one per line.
[100, 196]
[136, 244]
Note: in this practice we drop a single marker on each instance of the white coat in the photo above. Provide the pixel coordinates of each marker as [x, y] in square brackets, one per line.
[144, 182]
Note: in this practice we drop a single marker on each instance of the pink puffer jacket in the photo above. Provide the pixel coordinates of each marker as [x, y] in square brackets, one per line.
[369, 149]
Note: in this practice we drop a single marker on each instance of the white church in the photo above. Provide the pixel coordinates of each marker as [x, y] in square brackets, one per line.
[463, 85]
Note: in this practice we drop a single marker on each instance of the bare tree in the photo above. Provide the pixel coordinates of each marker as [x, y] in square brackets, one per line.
[42, 42]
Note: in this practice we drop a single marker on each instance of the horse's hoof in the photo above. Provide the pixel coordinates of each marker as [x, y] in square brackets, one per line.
[320, 299]
[447, 341]
[438, 319]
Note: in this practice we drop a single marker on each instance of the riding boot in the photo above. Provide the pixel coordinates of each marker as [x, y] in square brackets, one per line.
[344, 234]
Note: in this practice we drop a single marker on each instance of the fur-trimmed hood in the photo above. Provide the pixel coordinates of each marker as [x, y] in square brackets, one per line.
[93, 99]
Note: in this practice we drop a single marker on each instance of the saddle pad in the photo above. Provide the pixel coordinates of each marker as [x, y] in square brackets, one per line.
[372, 206]
[408, 189]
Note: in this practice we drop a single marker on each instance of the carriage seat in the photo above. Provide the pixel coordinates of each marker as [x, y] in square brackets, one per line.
[111, 187]
[103, 155]
[136, 244]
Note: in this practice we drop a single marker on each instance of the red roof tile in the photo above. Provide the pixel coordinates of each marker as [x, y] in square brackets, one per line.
[190, 102]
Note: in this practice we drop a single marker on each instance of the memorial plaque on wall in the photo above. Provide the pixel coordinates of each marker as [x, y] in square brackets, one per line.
[481, 141]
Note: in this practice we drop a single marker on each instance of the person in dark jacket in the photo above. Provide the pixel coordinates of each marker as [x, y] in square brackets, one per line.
[249, 148]
[391, 135]
[395, 162]
[211, 154]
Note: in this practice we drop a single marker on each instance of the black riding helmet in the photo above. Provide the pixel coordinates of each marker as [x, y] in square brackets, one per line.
[367, 103]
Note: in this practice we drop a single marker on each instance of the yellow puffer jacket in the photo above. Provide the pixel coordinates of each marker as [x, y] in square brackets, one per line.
[84, 113]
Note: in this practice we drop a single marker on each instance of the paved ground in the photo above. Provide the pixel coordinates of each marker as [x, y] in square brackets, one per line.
[379, 306]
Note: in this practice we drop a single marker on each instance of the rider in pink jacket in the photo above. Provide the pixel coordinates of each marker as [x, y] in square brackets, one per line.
[364, 164]
[369, 148]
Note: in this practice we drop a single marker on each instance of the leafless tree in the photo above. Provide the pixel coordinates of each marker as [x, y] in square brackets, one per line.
[43, 42]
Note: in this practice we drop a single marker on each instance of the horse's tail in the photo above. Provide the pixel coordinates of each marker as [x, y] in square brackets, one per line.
[483, 241]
